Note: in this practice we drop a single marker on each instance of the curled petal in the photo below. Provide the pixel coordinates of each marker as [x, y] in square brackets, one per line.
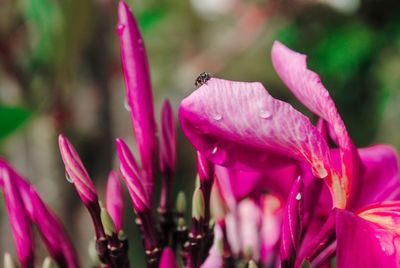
[131, 174]
[115, 199]
[19, 220]
[306, 85]
[77, 172]
[138, 89]
[381, 176]
[239, 125]
[168, 139]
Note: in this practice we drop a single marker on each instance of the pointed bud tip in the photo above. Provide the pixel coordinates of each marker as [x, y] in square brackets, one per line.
[181, 202]
[252, 264]
[49, 263]
[198, 205]
[9, 261]
[106, 220]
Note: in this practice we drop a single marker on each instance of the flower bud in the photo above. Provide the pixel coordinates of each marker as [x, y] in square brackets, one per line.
[198, 205]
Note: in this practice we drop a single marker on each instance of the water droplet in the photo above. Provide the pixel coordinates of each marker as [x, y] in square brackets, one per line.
[68, 178]
[120, 28]
[298, 196]
[126, 105]
[140, 41]
[217, 117]
[218, 155]
[265, 114]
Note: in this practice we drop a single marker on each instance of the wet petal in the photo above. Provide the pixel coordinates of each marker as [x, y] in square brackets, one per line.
[361, 243]
[306, 85]
[239, 125]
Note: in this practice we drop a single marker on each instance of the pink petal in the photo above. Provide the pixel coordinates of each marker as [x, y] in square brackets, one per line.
[308, 88]
[380, 180]
[138, 89]
[239, 125]
[131, 174]
[361, 243]
[168, 139]
[214, 259]
[115, 199]
[77, 172]
[19, 220]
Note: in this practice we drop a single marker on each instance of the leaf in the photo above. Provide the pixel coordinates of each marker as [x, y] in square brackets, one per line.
[12, 117]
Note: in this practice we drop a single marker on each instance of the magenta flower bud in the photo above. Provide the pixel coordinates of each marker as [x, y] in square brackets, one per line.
[167, 155]
[76, 171]
[19, 220]
[206, 174]
[168, 259]
[78, 175]
[132, 176]
[168, 139]
[115, 199]
[49, 225]
[138, 90]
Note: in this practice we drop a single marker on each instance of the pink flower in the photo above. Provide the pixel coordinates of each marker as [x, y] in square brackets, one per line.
[49, 225]
[19, 220]
[138, 92]
[133, 179]
[78, 175]
[115, 199]
[76, 172]
[241, 127]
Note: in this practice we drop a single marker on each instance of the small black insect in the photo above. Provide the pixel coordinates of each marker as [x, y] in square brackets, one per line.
[202, 79]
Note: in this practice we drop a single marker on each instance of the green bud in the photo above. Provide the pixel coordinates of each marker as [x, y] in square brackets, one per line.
[198, 204]
[181, 202]
[49, 263]
[197, 181]
[252, 264]
[122, 236]
[8, 261]
[108, 223]
[181, 223]
[94, 258]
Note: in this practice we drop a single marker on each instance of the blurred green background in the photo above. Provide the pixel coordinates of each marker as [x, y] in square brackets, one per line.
[60, 72]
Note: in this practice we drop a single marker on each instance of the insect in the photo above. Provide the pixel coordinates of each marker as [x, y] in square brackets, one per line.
[202, 79]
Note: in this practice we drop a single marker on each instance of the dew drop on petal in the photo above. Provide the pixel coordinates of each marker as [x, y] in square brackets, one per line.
[265, 114]
[126, 105]
[68, 178]
[298, 196]
[217, 117]
[217, 155]
[120, 28]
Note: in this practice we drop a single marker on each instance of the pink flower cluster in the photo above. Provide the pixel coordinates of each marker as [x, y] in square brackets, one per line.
[274, 189]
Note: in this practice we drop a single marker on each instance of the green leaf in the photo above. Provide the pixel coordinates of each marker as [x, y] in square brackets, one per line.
[12, 117]
[150, 17]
